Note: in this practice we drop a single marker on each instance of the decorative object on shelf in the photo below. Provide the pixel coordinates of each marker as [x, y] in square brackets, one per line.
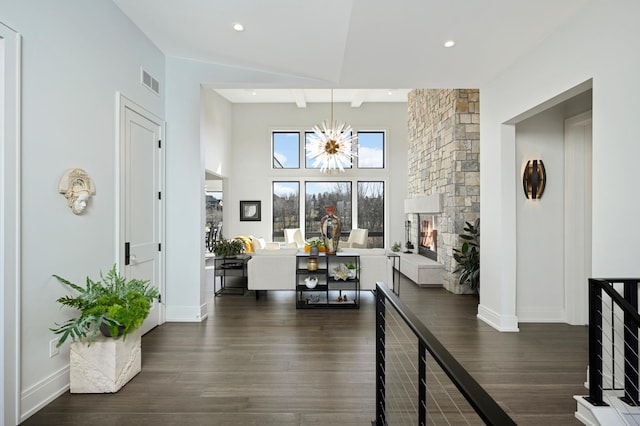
[468, 256]
[227, 248]
[351, 266]
[330, 227]
[396, 247]
[250, 211]
[311, 282]
[312, 264]
[330, 145]
[341, 272]
[78, 188]
[314, 246]
[119, 304]
[534, 179]
[314, 298]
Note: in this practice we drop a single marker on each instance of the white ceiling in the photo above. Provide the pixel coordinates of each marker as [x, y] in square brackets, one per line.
[303, 96]
[371, 45]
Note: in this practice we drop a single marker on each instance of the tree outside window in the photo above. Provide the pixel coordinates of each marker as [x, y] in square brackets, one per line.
[318, 196]
[371, 211]
[286, 208]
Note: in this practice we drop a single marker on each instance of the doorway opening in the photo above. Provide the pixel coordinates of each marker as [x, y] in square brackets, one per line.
[553, 244]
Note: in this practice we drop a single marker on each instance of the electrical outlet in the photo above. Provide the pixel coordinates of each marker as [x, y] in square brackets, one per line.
[53, 350]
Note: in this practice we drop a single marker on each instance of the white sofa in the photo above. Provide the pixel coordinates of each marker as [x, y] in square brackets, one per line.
[272, 269]
[276, 269]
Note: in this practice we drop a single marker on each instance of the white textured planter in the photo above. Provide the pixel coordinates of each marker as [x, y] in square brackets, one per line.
[105, 366]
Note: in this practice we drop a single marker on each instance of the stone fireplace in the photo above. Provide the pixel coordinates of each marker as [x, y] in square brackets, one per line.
[422, 213]
[444, 160]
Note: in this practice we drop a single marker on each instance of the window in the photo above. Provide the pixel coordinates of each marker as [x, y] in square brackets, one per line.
[300, 203]
[308, 162]
[213, 208]
[371, 211]
[319, 195]
[286, 150]
[370, 150]
[286, 208]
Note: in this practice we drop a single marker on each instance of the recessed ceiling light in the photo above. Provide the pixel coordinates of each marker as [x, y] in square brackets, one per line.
[449, 43]
[238, 27]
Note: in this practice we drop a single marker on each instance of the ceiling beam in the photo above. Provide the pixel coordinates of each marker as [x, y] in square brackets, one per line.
[298, 96]
[358, 98]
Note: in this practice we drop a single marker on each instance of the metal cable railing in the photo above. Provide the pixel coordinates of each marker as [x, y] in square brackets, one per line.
[614, 323]
[418, 380]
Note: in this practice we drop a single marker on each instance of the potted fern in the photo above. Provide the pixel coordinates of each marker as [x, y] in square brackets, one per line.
[112, 305]
[468, 256]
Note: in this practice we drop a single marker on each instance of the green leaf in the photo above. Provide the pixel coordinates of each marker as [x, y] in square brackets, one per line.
[468, 256]
[113, 300]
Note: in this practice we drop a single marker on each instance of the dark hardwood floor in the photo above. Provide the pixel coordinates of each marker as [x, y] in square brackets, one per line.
[262, 362]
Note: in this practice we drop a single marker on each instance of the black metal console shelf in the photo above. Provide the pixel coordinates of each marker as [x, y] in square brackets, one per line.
[329, 291]
[232, 271]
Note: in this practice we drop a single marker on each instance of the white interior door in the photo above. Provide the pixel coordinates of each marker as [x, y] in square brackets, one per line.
[141, 171]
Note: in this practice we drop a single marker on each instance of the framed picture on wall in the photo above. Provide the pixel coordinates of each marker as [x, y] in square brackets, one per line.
[250, 210]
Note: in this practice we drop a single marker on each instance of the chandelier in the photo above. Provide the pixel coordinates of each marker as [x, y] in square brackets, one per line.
[330, 145]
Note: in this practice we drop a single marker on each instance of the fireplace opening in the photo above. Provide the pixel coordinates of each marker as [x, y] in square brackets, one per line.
[427, 237]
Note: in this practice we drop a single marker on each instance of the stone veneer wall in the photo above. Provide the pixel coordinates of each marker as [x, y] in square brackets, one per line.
[444, 151]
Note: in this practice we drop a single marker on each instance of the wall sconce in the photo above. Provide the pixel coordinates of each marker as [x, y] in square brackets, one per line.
[534, 179]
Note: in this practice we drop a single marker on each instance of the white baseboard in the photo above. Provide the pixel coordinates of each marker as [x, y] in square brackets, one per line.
[505, 323]
[554, 315]
[185, 313]
[42, 393]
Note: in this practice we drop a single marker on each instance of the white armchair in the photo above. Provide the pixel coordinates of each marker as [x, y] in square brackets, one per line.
[293, 236]
[357, 238]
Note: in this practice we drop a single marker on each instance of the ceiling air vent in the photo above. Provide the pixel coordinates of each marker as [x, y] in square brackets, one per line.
[150, 82]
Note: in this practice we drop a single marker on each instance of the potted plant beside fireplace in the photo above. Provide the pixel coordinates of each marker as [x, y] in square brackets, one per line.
[468, 256]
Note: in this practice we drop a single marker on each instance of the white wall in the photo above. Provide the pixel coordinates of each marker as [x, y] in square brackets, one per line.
[594, 45]
[76, 56]
[185, 173]
[251, 175]
[540, 223]
[540, 246]
[216, 131]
